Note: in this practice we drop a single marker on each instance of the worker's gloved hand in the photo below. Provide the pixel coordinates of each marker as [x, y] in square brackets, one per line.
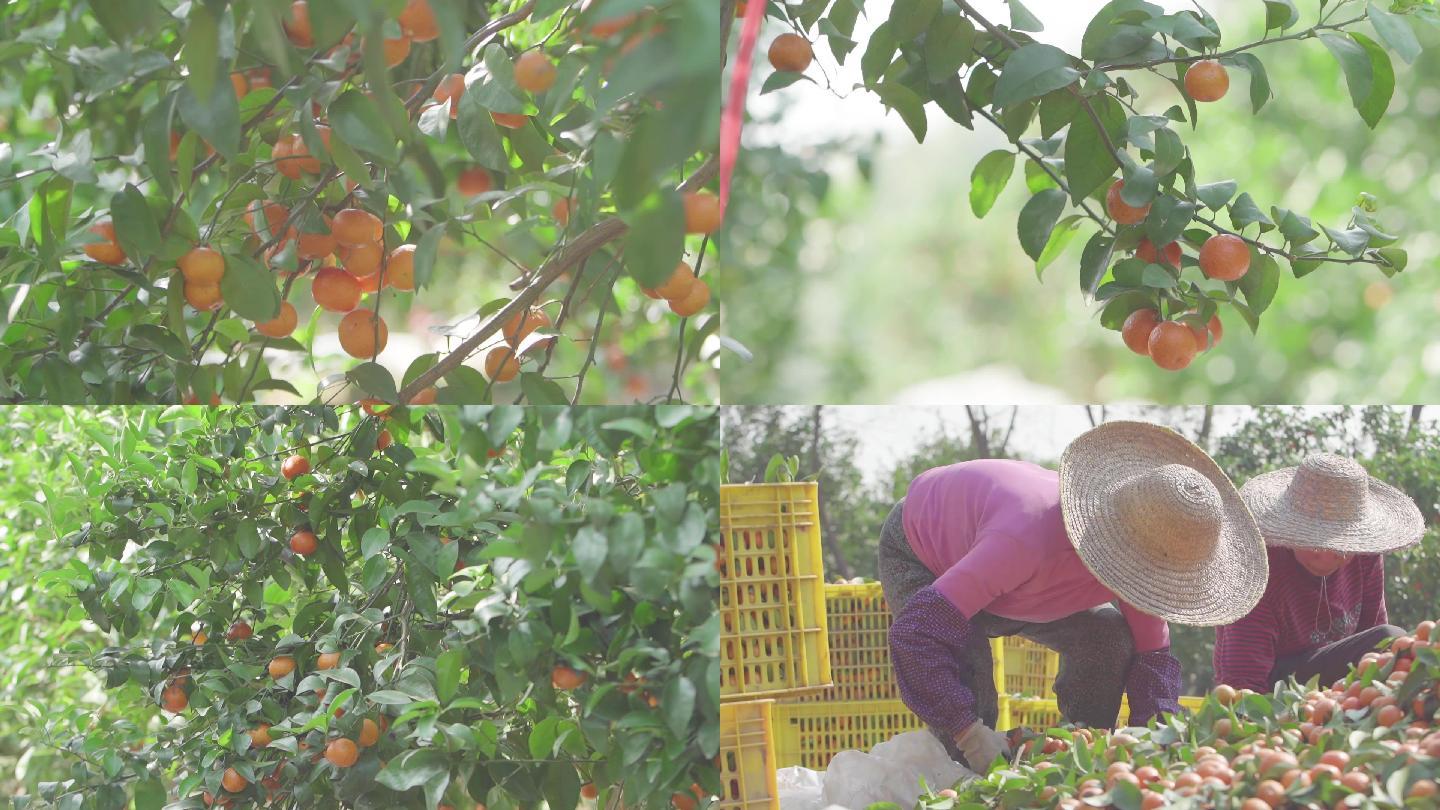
[981, 744]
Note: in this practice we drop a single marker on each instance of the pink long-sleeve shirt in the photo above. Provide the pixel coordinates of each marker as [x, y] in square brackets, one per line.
[991, 532]
[1299, 612]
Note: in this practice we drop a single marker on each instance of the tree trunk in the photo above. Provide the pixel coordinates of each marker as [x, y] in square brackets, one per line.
[1206, 423]
[1005, 442]
[827, 534]
[979, 439]
[1415, 418]
[727, 19]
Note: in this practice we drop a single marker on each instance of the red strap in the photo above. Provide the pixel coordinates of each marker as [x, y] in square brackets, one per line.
[734, 116]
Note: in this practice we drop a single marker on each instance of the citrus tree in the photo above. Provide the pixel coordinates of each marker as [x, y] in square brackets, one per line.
[206, 200]
[1170, 243]
[425, 607]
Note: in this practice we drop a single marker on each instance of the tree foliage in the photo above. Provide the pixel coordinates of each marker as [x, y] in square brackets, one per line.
[468, 575]
[515, 199]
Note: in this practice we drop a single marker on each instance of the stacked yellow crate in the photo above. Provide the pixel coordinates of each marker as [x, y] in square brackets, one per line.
[773, 640]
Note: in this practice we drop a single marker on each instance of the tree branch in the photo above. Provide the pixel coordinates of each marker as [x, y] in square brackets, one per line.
[591, 240]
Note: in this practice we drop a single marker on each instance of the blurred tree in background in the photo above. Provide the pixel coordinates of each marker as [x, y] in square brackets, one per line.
[895, 282]
[1398, 445]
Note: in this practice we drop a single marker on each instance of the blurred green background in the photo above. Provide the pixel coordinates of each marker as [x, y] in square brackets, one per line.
[860, 272]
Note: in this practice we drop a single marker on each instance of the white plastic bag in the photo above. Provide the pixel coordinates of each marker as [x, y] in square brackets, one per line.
[891, 772]
[800, 788]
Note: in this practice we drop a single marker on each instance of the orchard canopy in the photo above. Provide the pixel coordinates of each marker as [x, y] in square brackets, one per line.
[427, 200]
[419, 608]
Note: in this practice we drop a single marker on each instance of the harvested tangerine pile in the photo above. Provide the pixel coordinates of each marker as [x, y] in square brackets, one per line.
[1367, 741]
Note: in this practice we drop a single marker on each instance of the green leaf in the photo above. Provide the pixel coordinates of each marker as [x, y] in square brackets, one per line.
[949, 44]
[447, 672]
[589, 548]
[1382, 84]
[215, 117]
[1355, 63]
[988, 179]
[357, 119]
[149, 794]
[248, 539]
[540, 390]
[1259, 79]
[425, 252]
[679, 704]
[135, 225]
[1094, 260]
[249, 289]
[878, 53]
[1260, 282]
[909, 18]
[375, 539]
[656, 240]
[1215, 195]
[1060, 238]
[1021, 19]
[1031, 72]
[904, 101]
[202, 49]
[155, 134]
[480, 135]
[1038, 218]
[1280, 14]
[1395, 32]
[374, 379]
[1088, 160]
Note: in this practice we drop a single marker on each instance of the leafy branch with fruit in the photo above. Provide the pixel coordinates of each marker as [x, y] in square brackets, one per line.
[1369, 740]
[227, 199]
[392, 608]
[1100, 138]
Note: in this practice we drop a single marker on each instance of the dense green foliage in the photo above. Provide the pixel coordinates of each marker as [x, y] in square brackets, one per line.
[487, 547]
[171, 121]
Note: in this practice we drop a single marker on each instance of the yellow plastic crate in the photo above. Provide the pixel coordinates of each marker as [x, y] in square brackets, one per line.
[747, 756]
[858, 628]
[1029, 669]
[772, 604]
[1039, 714]
[811, 734]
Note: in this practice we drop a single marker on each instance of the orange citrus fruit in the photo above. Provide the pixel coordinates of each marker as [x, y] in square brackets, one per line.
[1121, 211]
[501, 364]
[791, 53]
[363, 334]
[1207, 80]
[335, 290]
[282, 325]
[1225, 257]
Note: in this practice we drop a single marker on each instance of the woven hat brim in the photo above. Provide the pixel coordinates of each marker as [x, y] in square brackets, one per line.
[1390, 520]
[1219, 590]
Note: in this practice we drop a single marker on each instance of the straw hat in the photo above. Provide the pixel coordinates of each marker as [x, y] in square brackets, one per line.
[1329, 502]
[1160, 525]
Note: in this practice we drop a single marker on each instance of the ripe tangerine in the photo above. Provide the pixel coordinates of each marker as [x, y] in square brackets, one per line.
[363, 334]
[304, 543]
[563, 677]
[509, 120]
[106, 252]
[1145, 251]
[400, 268]
[702, 212]
[418, 21]
[280, 666]
[694, 301]
[1207, 80]
[677, 286]
[282, 325]
[202, 265]
[1121, 211]
[534, 72]
[353, 227]
[342, 753]
[294, 467]
[501, 364]
[1225, 257]
[335, 290]
[473, 181]
[1172, 345]
[791, 53]
[1137, 329]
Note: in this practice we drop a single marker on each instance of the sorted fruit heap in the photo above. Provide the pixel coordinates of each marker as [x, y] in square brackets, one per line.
[1368, 740]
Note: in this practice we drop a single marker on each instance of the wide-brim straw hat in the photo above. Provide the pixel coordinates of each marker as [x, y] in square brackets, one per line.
[1159, 524]
[1331, 503]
